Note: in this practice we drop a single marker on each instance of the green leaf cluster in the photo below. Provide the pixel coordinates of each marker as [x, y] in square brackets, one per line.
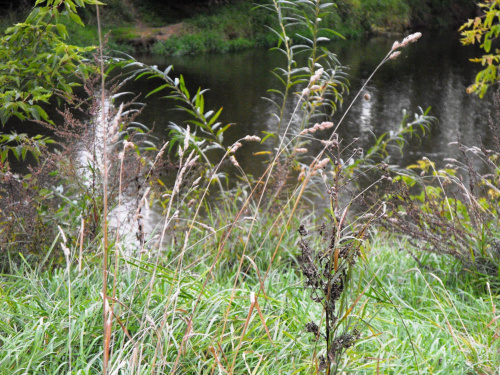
[206, 132]
[35, 61]
[484, 30]
[20, 144]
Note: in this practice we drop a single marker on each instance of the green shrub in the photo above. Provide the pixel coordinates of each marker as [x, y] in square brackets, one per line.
[382, 14]
[214, 42]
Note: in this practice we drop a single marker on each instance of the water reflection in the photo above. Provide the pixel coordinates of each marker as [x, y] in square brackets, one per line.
[433, 72]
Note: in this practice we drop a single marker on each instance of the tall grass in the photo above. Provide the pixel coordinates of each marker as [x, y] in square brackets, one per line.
[237, 287]
[452, 326]
[449, 323]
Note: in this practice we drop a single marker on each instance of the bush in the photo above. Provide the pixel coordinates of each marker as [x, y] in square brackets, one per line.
[393, 15]
[454, 210]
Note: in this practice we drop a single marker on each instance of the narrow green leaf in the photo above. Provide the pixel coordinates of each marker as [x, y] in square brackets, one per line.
[159, 88]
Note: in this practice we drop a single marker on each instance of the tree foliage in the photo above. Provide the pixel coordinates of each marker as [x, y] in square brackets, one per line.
[484, 30]
[35, 61]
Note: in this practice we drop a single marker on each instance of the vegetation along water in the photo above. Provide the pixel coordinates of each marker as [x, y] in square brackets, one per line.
[309, 214]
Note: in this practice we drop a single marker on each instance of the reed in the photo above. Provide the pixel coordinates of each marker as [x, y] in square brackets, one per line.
[257, 284]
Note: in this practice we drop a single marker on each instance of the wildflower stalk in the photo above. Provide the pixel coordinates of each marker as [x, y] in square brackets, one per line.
[391, 55]
[68, 270]
[119, 203]
[80, 257]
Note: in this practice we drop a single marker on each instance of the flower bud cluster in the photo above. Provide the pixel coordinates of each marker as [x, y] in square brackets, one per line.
[316, 76]
[251, 138]
[302, 175]
[235, 147]
[126, 144]
[196, 182]
[234, 161]
[322, 164]
[323, 126]
[412, 38]
[328, 143]
[318, 168]
[192, 162]
[394, 55]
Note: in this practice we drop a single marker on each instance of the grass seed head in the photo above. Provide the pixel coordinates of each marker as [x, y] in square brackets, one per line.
[394, 55]
[252, 138]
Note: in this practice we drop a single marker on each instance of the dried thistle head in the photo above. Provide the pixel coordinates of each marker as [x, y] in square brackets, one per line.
[313, 328]
[343, 342]
[303, 231]
[307, 265]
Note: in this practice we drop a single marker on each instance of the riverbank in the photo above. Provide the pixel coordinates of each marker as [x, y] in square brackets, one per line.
[163, 30]
[332, 260]
[242, 25]
[417, 319]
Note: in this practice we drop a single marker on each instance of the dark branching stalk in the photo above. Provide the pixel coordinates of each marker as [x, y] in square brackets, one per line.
[326, 275]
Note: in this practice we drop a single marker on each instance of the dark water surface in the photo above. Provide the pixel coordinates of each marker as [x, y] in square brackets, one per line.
[434, 72]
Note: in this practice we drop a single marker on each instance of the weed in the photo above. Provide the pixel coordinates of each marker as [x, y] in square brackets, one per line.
[326, 274]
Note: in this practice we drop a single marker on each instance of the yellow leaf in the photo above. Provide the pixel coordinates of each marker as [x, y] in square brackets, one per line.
[262, 153]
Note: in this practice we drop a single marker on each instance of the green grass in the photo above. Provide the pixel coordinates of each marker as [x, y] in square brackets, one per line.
[210, 42]
[37, 302]
[448, 320]
[448, 325]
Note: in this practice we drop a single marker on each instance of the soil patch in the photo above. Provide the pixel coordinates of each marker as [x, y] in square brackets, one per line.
[142, 35]
[161, 33]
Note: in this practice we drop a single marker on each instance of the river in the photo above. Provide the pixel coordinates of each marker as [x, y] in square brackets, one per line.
[434, 72]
